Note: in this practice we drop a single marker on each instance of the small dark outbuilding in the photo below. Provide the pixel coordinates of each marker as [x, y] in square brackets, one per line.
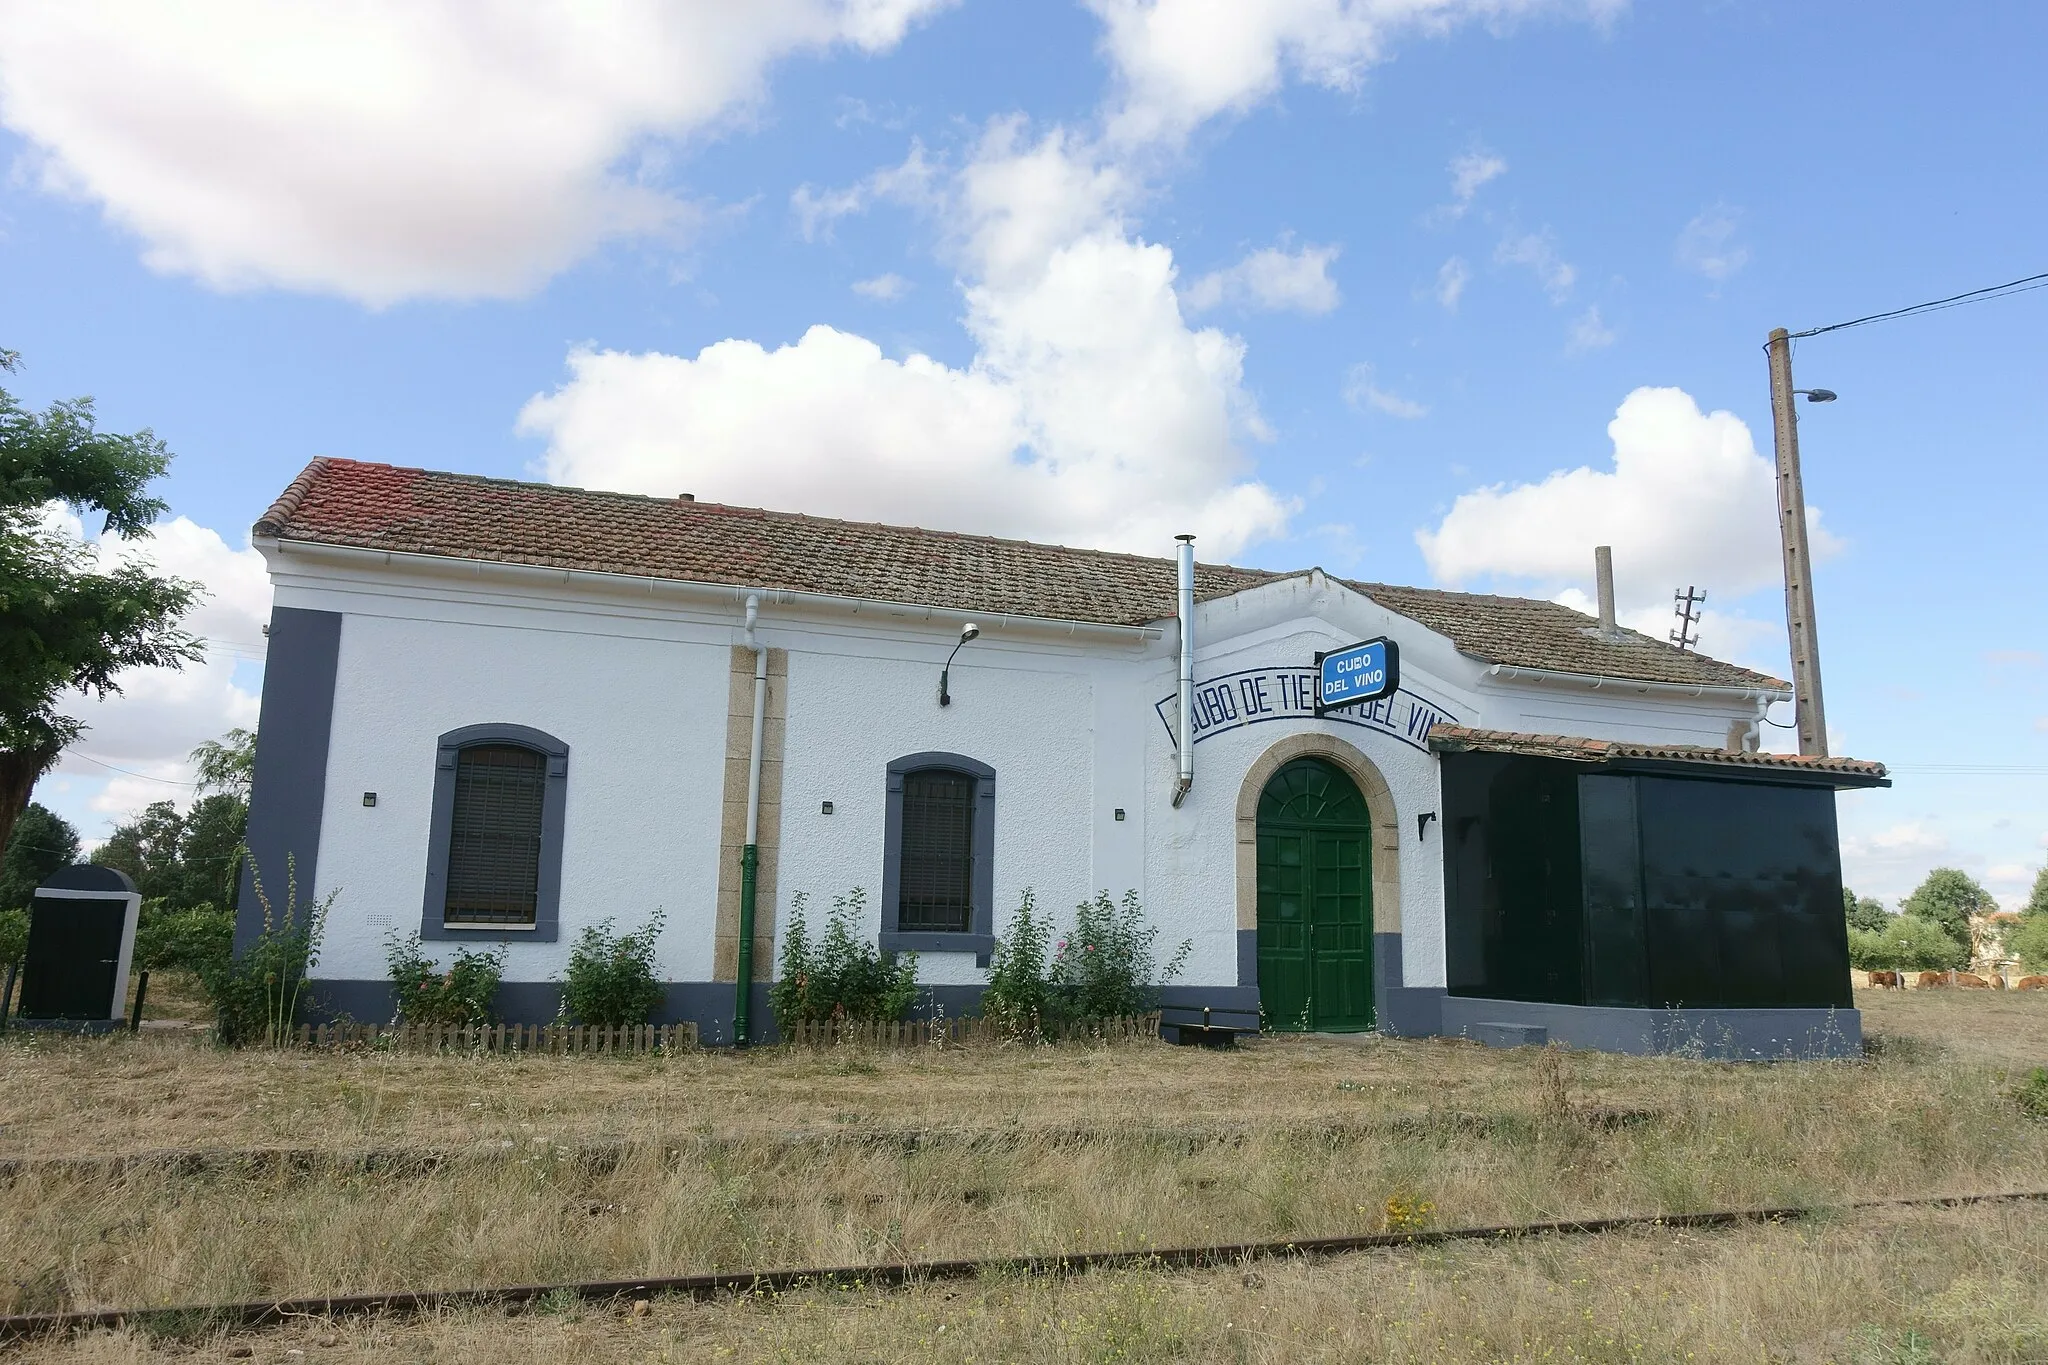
[81, 936]
[1643, 897]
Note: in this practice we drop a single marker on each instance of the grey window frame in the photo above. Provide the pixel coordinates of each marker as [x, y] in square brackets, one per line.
[980, 937]
[547, 904]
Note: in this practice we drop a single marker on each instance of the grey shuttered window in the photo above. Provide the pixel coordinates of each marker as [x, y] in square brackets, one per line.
[494, 836]
[935, 887]
[938, 855]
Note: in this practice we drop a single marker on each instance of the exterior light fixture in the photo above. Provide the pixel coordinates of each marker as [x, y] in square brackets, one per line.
[967, 632]
[1818, 395]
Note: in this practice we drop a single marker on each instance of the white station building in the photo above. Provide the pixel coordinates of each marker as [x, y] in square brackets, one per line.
[498, 712]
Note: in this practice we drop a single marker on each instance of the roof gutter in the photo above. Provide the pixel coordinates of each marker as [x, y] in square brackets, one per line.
[1596, 682]
[710, 594]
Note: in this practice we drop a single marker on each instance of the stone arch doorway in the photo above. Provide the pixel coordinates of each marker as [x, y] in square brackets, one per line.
[1315, 900]
[1344, 806]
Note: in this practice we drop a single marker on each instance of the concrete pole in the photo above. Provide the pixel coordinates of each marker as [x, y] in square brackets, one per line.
[1810, 712]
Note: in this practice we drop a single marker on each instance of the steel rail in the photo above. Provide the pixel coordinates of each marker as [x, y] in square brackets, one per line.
[895, 1275]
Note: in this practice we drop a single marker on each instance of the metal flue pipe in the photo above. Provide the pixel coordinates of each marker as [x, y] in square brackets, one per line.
[1603, 586]
[1184, 736]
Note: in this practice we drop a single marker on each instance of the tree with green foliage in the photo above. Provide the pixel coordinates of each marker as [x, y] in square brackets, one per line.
[2037, 901]
[227, 765]
[2029, 942]
[1949, 898]
[210, 852]
[145, 846]
[43, 841]
[1865, 912]
[69, 623]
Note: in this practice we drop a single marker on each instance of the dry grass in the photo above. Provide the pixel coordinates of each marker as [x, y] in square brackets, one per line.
[1021, 1150]
[1907, 1289]
[127, 1094]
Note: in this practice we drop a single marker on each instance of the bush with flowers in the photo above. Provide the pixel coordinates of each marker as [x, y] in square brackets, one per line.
[1102, 968]
[455, 996]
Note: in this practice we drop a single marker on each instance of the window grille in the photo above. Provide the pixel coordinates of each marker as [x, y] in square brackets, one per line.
[494, 835]
[935, 885]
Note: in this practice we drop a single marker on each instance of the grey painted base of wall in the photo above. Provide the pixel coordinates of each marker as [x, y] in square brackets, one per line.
[709, 1005]
[1720, 1034]
[1404, 1012]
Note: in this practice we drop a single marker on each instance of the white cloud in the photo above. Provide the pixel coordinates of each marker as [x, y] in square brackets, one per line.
[1589, 332]
[1687, 501]
[161, 714]
[1469, 171]
[909, 182]
[1451, 279]
[1091, 412]
[1360, 391]
[1538, 251]
[1708, 244]
[1181, 62]
[387, 149]
[1272, 279]
[1891, 861]
[882, 288]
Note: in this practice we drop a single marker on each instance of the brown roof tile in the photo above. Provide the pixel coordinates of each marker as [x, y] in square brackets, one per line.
[415, 511]
[1445, 738]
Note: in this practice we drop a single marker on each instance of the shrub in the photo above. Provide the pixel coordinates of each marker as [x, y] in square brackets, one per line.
[1019, 996]
[200, 940]
[611, 978]
[843, 975]
[1103, 968]
[1907, 943]
[257, 994]
[13, 936]
[457, 997]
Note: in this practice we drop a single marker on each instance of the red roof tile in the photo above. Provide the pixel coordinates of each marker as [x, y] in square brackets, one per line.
[1444, 738]
[415, 511]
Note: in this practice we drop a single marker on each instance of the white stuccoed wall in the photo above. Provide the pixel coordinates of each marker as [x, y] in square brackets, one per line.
[644, 720]
[638, 690]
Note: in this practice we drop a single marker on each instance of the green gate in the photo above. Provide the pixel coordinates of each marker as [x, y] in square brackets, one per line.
[1315, 900]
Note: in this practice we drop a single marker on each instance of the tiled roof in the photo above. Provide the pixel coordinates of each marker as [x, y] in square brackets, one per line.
[415, 511]
[1454, 739]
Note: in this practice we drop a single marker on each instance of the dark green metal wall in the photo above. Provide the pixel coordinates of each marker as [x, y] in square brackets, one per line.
[1581, 886]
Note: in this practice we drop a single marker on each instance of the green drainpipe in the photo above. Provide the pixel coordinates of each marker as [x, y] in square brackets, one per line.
[750, 859]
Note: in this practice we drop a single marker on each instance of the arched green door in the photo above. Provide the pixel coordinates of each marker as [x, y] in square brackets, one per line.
[1315, 900]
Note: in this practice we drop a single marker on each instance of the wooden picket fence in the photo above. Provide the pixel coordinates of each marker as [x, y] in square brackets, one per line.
[925, 1032]
[562, 1041]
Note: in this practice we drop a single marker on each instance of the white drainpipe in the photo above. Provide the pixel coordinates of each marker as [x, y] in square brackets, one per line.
[750, 854]
[1185, 738]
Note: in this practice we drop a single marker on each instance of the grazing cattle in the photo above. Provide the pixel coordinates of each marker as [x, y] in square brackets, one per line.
[1887, 980]
[1969, 979]
[2031, 983]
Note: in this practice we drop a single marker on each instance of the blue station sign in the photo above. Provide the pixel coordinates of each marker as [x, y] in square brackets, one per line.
[1357, 673]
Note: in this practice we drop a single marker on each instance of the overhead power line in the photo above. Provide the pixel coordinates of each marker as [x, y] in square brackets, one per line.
[1985, 295]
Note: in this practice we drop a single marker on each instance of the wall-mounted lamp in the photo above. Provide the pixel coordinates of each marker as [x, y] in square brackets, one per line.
[1119, 812]
[369, 798]
[1422, 824]
[825, 808]
[967, 632]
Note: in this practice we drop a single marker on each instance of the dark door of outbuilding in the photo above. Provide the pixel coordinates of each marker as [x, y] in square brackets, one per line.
[73, 958]
[1315, 900]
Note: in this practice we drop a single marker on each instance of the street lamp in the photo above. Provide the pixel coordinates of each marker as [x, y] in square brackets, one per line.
[967, 632]
[1818, 395]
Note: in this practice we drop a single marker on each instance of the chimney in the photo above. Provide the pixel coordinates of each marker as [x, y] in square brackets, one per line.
[686, 497]
[1603, 578]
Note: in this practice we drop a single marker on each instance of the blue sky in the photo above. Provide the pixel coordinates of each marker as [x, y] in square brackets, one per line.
[1360, 285]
